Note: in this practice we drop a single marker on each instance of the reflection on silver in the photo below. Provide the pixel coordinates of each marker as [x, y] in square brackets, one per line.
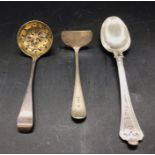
[116, 39]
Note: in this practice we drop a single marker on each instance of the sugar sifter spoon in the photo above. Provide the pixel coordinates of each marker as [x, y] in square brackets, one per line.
[34, 38]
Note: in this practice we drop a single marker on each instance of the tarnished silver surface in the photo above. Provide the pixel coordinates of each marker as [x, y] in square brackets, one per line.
[77, 40]
[34, 38]
[129, 128]
[25, 117]
[116, 39]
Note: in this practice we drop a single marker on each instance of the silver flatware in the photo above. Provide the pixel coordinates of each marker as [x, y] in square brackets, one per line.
[34, 38]
[77, 40]
[115, 38]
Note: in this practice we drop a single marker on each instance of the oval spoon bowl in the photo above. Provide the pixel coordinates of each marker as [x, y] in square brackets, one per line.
[114, 35]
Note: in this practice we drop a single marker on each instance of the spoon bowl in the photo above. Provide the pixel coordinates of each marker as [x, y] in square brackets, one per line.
[34, 38]
[115, 36]
[76, 38]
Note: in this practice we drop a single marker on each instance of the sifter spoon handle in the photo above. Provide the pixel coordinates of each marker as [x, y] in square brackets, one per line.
[25, 117]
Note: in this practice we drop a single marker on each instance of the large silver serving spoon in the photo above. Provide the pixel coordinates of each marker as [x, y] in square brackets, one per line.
[115, 38]
[76, 40]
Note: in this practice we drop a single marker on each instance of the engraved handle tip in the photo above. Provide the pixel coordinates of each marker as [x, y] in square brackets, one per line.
[133, 142]
[132, 137]
[78, 113]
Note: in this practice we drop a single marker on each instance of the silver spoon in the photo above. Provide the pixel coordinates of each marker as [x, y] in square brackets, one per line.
[115, 38]
[77, 40]
[34, 38]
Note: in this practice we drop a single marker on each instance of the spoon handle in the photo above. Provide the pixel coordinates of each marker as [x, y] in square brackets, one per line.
[129, 127]
[25, 117]
[78, 110]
